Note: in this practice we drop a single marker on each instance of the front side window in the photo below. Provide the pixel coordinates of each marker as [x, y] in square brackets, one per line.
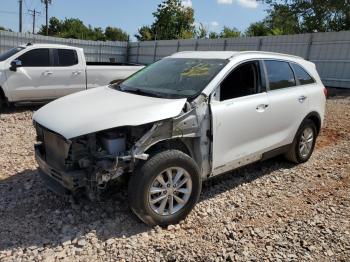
[65, 57]
[303, 77]
[242, 81]
[280, 74]
[174, 77]
[7, 54]
[36, 58]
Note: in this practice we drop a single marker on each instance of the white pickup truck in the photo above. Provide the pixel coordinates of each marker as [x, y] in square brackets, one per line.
[39, 72]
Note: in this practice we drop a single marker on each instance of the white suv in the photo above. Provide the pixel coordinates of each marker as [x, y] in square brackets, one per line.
[179, 121]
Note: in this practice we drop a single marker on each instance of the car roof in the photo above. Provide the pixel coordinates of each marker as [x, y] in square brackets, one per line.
[230, 55]
[30, 45]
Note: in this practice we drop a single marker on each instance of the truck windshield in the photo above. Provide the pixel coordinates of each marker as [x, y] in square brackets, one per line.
[7, 54]
[174, 77]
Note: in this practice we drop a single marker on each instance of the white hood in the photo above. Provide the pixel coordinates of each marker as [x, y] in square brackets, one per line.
[104, 108]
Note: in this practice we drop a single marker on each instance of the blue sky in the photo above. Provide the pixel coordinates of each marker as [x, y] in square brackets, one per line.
[131, 14]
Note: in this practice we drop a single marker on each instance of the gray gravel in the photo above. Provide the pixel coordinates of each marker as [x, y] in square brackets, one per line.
[271, 211]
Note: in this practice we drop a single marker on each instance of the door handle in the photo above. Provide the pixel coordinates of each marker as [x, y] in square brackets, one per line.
[261, 107]
[302, 99]
[75, 73]
[47, 73]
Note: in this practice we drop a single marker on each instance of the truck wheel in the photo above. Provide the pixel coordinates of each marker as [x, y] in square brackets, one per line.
[164, 189]
[304, 143]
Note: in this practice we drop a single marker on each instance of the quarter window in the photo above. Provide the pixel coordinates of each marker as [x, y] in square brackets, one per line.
[280, 74]
[36, 58]
[303, 77]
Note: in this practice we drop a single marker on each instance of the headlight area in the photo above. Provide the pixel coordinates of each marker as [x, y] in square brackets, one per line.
[105, 156]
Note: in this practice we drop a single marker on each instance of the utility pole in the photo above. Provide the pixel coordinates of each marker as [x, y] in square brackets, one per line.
[20, 15]
[33, 13]
[47, 3]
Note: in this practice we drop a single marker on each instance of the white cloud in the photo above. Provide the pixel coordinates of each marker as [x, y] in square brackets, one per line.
[186, 3]
[225, 2]
[214, 24]
[248, 3]
[244, 3]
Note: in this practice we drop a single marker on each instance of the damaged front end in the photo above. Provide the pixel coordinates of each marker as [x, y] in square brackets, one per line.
[91, 162]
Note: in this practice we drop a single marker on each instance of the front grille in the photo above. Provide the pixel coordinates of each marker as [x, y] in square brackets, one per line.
[54, 148]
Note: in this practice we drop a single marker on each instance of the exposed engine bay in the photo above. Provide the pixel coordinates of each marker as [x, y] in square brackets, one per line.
[92, 161]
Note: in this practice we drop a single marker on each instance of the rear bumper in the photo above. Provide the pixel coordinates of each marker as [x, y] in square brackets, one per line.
[58, 181]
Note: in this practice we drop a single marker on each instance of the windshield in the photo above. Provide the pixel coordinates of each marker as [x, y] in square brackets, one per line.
[174, 77]
[9, 53]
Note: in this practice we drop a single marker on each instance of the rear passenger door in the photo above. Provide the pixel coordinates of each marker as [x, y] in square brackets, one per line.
[69, 72]
[288, 102]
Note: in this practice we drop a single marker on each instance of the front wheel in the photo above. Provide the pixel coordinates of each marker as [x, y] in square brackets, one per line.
[164, 189]
[304, 143]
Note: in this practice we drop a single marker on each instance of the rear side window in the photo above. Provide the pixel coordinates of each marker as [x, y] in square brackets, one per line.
[280, 74]
[36, 58]
[65, 57]
[303, 77]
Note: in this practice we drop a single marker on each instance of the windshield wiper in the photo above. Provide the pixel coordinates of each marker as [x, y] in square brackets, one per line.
[139, 92]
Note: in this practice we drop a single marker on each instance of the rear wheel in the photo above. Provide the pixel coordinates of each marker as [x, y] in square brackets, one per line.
[304, 143]
[164, 189]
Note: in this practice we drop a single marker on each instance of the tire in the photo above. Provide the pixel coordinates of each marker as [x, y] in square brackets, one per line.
[149, 175]
[295, 153]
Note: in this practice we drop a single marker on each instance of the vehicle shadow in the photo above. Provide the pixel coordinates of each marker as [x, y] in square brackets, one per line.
[30, 215]
[19, 109]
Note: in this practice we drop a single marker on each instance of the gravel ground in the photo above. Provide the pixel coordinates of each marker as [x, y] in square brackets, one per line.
[267, 211]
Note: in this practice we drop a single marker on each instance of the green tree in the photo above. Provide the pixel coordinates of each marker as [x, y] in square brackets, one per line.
[228, 32]
[145, 34]
[202, 31]
[213, 35]
[116, 34]
[258, 29]
[305, 16]
[75, 28]
[172, 21]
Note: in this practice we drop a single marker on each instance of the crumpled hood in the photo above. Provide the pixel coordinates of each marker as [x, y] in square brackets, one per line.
[103, 108]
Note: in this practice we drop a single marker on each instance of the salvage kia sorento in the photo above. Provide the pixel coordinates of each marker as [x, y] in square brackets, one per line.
[178, 122]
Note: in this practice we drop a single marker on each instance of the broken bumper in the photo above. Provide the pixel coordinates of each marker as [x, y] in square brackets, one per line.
[58, 181]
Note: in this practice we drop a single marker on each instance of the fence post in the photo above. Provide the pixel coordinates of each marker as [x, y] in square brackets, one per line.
[155, 51]
[178, 46]
[100, 52]
[308, 50]
[196, 45]
[260, 44]
[225, 44]
[138, 52]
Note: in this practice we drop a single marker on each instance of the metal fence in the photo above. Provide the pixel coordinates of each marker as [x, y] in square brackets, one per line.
[95, 51]
[329, 51]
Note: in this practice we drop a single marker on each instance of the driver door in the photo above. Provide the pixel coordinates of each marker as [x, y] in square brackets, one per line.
[240, 118]
[34, 79]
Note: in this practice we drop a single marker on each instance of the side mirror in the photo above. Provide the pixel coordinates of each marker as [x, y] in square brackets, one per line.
[15, 64]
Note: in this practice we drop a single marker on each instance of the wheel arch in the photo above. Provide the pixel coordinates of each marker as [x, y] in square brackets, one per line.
[174, 143]
[314, 117]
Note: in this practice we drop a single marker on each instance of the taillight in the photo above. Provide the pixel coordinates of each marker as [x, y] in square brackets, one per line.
[325, 91]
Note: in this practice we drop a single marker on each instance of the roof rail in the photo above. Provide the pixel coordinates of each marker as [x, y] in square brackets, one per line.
[268, 53]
